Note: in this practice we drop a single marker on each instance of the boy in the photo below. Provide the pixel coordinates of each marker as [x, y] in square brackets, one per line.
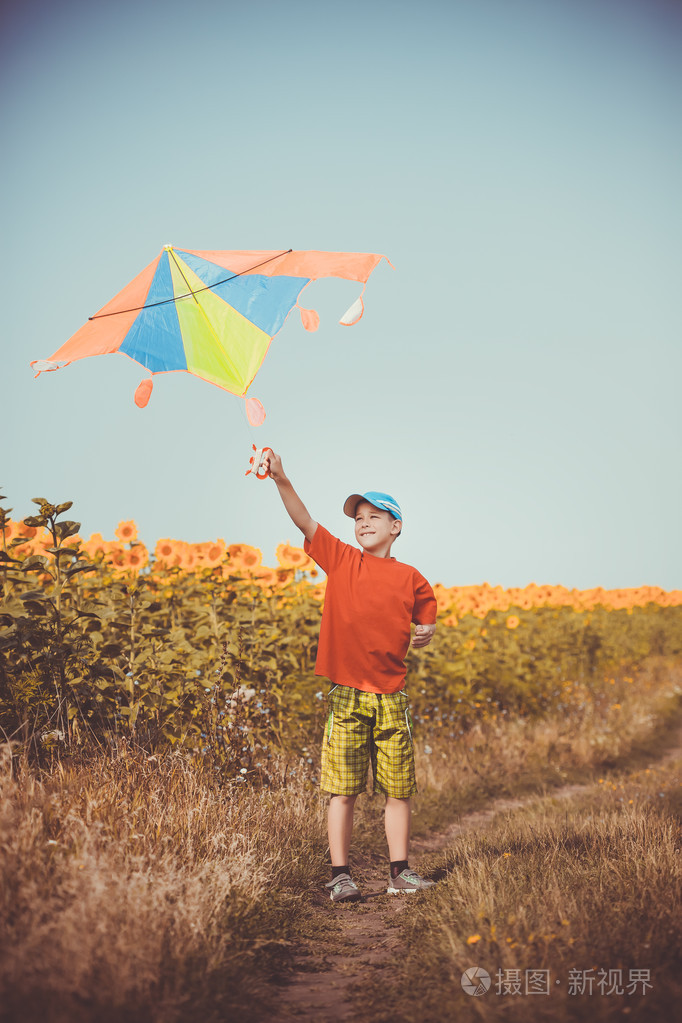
[370, 603]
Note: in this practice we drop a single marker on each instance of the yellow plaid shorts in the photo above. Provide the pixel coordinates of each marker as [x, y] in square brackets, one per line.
[362, 727]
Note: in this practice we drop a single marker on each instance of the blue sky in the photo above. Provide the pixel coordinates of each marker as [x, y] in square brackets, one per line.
[515, 380]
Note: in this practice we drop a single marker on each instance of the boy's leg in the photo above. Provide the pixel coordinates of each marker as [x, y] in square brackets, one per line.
[345, 762]
[340, 828]
[403, 879]
[393, 759]
[397, 816]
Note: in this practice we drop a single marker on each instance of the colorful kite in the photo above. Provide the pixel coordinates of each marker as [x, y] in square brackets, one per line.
[212, 314]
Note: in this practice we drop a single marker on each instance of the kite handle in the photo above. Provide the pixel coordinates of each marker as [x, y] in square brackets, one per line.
[256, 463]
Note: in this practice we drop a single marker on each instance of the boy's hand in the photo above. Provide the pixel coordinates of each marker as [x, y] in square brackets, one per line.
[273, 464]
[423, 634]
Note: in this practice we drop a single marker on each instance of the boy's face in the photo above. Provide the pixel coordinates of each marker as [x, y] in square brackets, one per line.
[375, 530]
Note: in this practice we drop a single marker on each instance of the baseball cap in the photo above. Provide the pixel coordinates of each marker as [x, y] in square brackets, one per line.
[383, 501]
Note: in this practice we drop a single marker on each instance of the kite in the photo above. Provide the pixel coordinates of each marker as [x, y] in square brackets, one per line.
[212, 314]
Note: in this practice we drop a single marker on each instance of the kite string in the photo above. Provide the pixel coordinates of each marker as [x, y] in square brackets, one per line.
[256, 442]
[176, 298]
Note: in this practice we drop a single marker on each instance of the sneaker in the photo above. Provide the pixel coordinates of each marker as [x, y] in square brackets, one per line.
[408, 880]
[343, 889]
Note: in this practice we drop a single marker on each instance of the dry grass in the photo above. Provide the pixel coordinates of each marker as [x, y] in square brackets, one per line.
[511, 758]
[564, 746]
[136, 890]
[590, 884]
[140, 889]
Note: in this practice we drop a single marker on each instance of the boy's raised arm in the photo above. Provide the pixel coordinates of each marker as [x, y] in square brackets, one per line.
[298, 512]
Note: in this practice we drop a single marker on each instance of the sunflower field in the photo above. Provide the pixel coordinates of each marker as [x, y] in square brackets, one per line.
[202, 647]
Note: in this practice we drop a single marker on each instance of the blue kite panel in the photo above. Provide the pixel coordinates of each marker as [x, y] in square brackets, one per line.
[263, 300]
[155, 339]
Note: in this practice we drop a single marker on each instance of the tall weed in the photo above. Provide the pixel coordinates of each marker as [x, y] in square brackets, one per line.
[576, 896]
[136, 889]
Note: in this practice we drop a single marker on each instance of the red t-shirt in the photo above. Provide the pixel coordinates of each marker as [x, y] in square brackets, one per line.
[368, 608]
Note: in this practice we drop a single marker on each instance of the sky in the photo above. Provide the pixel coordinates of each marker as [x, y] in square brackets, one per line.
[515, 380]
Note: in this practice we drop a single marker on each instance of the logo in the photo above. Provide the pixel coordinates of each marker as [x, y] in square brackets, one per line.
[475, 980]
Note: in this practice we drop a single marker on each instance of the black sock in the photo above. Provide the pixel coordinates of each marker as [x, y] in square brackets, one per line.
[340, 870]
[397, 866]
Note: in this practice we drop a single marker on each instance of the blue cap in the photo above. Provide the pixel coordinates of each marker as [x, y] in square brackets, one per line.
[383, 501]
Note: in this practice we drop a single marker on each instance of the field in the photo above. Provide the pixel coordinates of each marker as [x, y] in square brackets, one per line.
[163, 837]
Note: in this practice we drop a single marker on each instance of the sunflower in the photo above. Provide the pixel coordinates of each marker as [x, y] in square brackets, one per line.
[40, 543]
[167, 553]
[189, 557]
[284, 576]
[11, 530]
[443, 597]
[95, 546]
[126, 532]
[116, 557]
[24, 548]
[214, 553]
[293, 557]
[265, 577]
[244, 558]
[512, 622]
[137, 557]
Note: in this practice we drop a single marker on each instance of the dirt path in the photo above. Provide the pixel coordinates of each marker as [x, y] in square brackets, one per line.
[365, 936]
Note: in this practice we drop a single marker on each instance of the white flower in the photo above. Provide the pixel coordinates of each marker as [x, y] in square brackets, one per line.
[243, 693]
[55, 736]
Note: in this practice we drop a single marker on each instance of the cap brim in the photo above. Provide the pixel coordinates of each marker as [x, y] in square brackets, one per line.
[350, 504]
